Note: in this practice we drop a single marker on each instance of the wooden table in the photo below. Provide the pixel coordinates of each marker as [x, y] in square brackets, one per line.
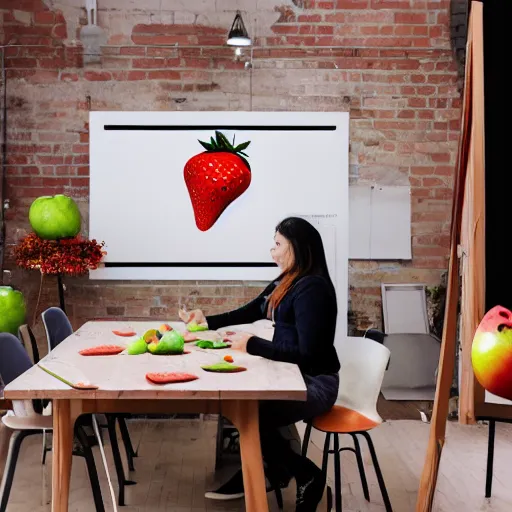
[123, 388]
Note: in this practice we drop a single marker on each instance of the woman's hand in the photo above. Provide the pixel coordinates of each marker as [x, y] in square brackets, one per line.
[238, 340]
[195, 315]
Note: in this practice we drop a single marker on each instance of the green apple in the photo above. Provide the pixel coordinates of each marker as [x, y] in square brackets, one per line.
[137, 347]
[12, 310]
[172, 342]
[54, 217]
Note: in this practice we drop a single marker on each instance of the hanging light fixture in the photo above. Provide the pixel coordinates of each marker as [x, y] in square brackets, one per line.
[238, 35]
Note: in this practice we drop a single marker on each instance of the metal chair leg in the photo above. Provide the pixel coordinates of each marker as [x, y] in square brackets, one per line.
[325, 455]
[275, 484]
[17, 438]
[125, 435]
[121, 480]
[490, 458]
[91, 469]
[45, 448]
[305, 443]
[337, 473]
[99, 439]
[360, 466]
[219, 441]
[329, 499]
[378, 472]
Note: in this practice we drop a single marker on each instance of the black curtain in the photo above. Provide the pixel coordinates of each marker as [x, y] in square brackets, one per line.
[498, 152]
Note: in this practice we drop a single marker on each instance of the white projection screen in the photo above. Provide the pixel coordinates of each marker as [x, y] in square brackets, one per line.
[141, 208]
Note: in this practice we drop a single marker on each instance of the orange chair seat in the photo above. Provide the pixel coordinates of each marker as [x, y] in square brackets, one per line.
[343, 420]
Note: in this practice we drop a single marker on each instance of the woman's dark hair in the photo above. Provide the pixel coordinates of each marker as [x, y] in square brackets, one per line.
[309, 256]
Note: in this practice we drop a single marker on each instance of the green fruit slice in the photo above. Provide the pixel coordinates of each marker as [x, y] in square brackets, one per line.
[224, 367]
[195, 327]
[212, 344]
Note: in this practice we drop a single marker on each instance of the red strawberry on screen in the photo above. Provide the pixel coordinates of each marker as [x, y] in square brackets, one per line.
[215, 178]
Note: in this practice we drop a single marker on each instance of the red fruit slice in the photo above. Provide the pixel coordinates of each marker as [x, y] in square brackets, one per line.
[168, 377]
[102, 350]
[124, 333]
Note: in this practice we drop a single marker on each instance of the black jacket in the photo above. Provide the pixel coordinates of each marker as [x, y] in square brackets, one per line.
[305, 324]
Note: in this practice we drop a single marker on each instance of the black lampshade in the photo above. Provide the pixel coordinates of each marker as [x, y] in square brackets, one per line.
[238, 35]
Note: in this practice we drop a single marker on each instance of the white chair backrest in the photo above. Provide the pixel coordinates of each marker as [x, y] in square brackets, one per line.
[363, 364]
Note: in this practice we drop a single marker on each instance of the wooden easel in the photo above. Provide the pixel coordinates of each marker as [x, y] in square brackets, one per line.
[467, 232]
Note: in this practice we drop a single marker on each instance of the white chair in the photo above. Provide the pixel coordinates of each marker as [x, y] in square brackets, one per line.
[363, 364]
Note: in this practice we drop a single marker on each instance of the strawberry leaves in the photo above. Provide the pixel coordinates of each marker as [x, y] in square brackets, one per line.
[242, 146]
[222, 144]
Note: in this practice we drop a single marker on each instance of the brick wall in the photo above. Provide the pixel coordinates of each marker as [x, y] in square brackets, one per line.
[388, 62]
[459, 29]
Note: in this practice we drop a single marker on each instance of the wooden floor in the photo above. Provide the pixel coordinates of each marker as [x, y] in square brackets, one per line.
[403, 409]
[176, 461]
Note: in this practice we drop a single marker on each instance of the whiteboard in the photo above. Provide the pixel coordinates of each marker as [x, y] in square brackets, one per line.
[141, 208]
[380, 222]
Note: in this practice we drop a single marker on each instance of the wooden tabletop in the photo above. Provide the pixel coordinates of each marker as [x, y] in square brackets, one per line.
[122, 376]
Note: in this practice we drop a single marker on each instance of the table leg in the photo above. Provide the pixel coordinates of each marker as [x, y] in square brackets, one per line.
[65, 413]
[244, 416]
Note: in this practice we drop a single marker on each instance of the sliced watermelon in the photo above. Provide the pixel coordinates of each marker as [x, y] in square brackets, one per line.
[124, 333]
[102, 350]
[169, 377]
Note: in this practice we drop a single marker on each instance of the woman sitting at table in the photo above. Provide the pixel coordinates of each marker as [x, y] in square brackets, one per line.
[302, 304]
